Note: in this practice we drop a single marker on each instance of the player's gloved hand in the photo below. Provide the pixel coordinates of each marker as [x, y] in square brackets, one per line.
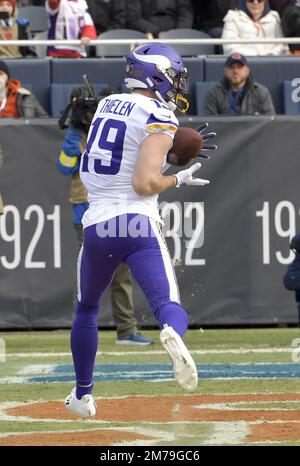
[186, 177]
[206, 137]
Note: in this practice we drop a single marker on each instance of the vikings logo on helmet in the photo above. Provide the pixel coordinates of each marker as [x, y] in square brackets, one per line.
[159, 68]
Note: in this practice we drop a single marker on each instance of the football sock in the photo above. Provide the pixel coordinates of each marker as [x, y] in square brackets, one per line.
[175, 316]
[84, 345]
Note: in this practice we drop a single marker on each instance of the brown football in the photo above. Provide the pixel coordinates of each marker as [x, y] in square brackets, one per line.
[187, 145]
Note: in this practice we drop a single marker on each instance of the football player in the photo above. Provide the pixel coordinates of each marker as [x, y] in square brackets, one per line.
[121, 168]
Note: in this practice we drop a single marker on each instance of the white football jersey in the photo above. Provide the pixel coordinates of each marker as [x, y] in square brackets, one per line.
[119, 127]
[67, 21]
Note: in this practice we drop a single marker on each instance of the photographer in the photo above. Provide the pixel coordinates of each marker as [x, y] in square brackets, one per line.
[83, 107]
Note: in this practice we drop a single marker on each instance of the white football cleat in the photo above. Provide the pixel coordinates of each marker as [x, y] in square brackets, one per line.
[86, 407]
[185, 369]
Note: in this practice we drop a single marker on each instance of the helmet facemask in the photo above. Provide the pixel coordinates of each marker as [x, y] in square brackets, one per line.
[179, 93]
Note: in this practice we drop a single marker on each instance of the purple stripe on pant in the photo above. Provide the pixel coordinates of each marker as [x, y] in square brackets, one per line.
[136, 240]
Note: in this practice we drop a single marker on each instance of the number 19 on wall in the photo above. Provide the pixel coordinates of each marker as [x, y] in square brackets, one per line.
[11, 220]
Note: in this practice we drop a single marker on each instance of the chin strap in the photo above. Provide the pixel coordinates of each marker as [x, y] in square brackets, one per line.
[182, 103]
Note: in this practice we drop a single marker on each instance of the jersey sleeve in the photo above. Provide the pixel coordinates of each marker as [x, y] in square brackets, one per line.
[161, 120]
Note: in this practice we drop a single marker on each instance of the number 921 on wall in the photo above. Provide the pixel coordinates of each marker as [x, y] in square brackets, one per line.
[25, 251]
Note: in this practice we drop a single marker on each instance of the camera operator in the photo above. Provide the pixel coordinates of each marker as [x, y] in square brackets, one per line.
[83, 106]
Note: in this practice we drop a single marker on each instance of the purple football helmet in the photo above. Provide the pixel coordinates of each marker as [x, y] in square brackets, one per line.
[159, 68]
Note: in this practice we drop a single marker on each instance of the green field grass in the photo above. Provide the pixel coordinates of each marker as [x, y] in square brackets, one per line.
[38, 350]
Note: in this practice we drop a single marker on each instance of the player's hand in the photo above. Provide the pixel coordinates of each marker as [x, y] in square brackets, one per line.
[186, 177]
[206, 137]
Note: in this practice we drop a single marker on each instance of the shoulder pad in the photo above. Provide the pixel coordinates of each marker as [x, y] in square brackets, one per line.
[164, 114]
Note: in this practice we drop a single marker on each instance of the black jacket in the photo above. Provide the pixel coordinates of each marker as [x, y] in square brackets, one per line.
[255, 99]
[280, 5]
[109, 14]
[159, 15]
[23, 35]
[291, 24]
[210, 13]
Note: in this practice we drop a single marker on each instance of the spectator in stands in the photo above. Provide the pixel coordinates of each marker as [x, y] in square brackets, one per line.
[155, 16]
[291, 25]
[209, 15]
[31, 2]
[16, 101]
[280, 5]
[69, 19]
[107, 14]
[12, 28]
[237, 93]
[253, 20]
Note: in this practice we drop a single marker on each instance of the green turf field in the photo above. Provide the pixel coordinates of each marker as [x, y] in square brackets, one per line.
[248, 392]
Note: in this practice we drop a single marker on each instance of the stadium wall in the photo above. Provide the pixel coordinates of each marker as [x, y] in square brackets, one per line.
[229, 240]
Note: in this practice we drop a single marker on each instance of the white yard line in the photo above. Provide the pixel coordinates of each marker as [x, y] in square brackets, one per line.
[228, 433]
[236, 405]
[37, 369]
[159, 352]
[160, 435]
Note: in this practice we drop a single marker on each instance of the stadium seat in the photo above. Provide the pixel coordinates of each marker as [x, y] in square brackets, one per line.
[27, 86]
[291, 97]
[117, 50]
[106, 70]
[124, 89]
[60, 96]
[200, 92]
[37, 17]
[36, 72]
[189, 50]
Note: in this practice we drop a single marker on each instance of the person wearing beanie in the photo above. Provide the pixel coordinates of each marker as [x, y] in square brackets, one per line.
[15, 100]
[253, 20]
[69, 19]
[13, 28]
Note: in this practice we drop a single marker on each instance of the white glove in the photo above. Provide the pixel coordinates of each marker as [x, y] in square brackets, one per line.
[186, 177]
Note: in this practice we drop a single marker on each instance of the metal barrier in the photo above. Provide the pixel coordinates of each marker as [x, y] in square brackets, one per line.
[133, 42]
